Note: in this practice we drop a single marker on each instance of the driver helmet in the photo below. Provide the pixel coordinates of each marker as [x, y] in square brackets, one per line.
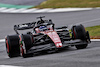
[42, 28]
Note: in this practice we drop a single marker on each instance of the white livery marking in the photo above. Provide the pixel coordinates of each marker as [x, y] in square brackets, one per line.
[23, 26]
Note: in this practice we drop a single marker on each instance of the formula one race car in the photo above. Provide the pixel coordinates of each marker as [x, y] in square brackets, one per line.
[44, 37]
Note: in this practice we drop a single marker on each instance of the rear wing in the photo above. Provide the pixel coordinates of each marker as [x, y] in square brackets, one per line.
[24, 26]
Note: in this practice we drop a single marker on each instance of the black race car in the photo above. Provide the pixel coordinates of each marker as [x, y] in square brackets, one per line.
[44, 37]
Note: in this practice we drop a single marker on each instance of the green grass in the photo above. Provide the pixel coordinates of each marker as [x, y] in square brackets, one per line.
[69, 3]
[94, 31]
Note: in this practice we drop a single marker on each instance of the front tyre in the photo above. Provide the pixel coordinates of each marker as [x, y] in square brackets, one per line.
[88, 37]
[79, 32]
[24, 55]
[83, 46]
[26, 45]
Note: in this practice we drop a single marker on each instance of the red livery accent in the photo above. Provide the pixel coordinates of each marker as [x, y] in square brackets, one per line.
[7, 46]
[55, 38]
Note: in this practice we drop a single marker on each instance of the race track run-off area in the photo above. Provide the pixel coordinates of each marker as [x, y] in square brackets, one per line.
[69, 57]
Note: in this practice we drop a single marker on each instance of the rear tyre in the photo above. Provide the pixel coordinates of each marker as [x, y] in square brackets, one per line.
[12, 45]
[28, 43]
[78, 32]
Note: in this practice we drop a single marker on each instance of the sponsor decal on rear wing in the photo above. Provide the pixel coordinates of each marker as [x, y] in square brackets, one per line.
[24, 26]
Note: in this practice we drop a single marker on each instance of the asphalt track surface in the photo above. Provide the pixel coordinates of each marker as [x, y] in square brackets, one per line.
[22, 2]
[70, 57]
[87, 18]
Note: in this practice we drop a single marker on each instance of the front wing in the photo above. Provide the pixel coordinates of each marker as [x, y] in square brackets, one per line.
[51, 46]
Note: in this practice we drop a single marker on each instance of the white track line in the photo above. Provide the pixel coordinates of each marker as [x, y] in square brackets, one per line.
[18, 10]
[68, 9]
[3, 8]
[2, 40]
[29, 10]
[9, 66]
[7, 10]
[95, 39]
[98, 40]
[42, 10]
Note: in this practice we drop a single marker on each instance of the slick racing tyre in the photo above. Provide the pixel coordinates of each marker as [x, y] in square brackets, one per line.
[88, 37]
[81, 46]
[12, 45]
[24, 55]
[27, 44]
[78, 32]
